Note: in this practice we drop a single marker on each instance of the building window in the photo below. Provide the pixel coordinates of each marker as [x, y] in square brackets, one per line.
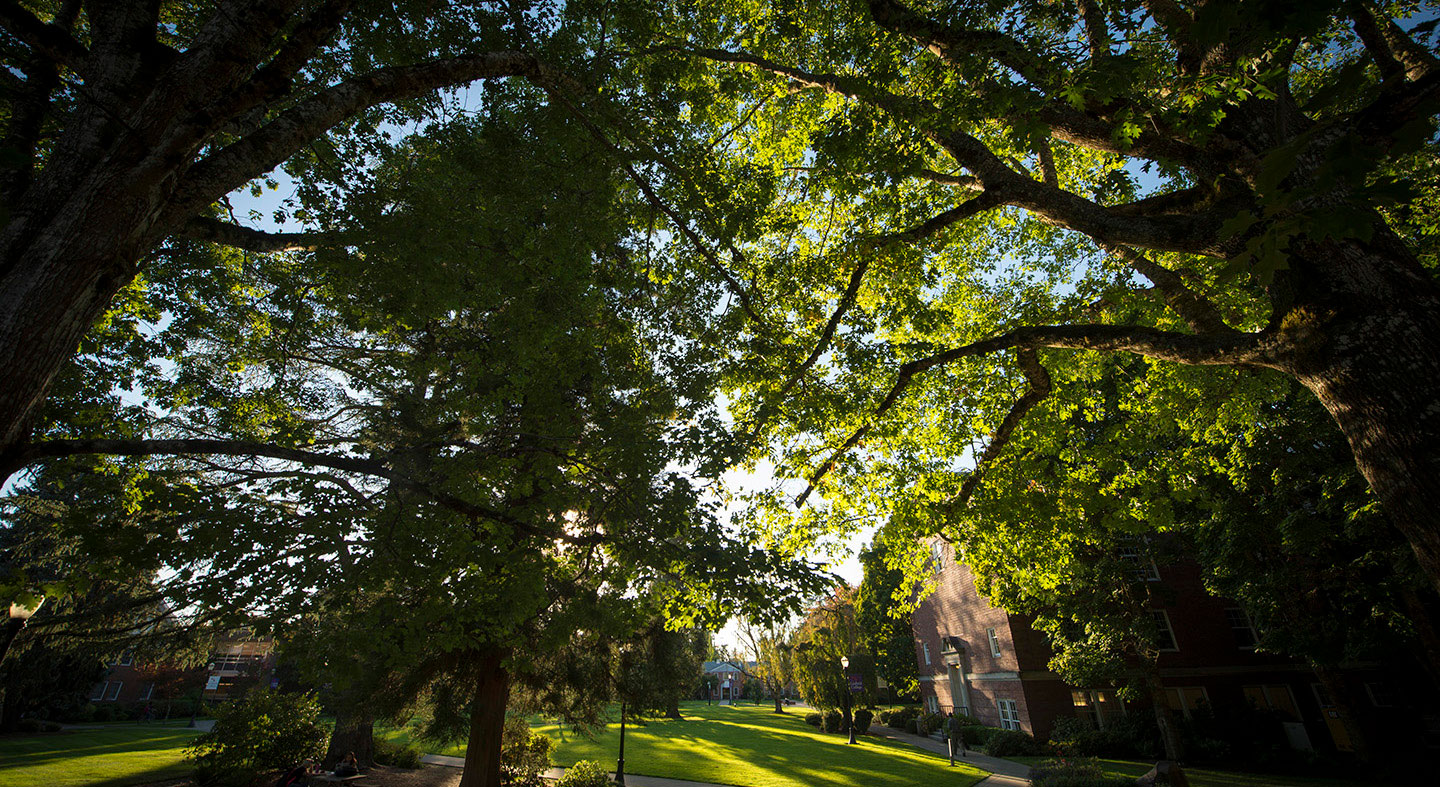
[925, 651]
[149, 690]
[937, 555]
[1277, 699]
[994, 643]
[1164, 635]
[1142, 565]
[1241, 626]
[1009, 714]
[98, 695]
[1380, 695]
[1187, 699]
[1096, 706]
[114, 692]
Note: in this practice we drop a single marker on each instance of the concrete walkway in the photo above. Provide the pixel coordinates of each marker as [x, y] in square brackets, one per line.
[631, 780]
[1003, 773]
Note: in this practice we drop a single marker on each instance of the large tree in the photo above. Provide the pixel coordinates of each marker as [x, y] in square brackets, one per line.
[1201, 183]
[128, 122]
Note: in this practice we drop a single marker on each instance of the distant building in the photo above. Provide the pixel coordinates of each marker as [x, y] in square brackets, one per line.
[729, 678]
[239, 660]
[983, 661]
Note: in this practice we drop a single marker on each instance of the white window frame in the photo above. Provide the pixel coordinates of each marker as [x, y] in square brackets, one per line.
[115, 693]
[1185, 707]
[937, 556]
[994, 642]
[1143, 566]
[925, 650]
[148, 693]
[98, 695]
[1009, 714]
[1161, 615]
[1249, 626]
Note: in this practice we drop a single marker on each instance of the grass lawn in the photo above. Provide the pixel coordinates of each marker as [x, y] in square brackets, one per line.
[1205, 777]
[753, 747]
[107, 757]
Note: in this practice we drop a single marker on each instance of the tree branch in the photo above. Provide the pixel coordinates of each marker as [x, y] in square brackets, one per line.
[1394, 52]
[1197, 312]
[204, 228]
[25, 455]
[49, 41]
[1096, 31]
[1230, 349]
[213, 177]
[955, 44]
[1039, 388]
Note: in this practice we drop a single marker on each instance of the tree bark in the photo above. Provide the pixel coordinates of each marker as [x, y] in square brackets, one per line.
[487, 722]
[1364, 336]
[354, 732]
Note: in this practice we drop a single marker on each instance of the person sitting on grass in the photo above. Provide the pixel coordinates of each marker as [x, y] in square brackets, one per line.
[348, 766]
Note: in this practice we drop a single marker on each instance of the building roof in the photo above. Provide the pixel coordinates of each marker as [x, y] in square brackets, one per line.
[727, 666]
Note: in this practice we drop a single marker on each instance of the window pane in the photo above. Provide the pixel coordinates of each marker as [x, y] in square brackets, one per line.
[114, 691]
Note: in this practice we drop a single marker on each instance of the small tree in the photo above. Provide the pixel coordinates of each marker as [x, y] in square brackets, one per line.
[266, 730]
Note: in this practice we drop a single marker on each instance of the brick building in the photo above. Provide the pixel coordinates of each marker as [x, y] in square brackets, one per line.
[729, 678]
[993, 665]
[238, 660]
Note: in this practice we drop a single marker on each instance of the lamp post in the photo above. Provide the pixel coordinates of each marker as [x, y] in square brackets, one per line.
[849, 701]
[620, 764]
[19, 615]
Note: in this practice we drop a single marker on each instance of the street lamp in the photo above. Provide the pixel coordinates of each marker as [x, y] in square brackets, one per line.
[849, 717]
[19, 615]
[620, 764]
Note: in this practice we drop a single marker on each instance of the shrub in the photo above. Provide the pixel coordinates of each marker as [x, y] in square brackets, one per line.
[396, 755]
[265, 730]
[36, 725]
[1129, 737]
[524, 756]
[931, 722]
[976, 737]
[968, 721]
[834, 721]
[813, 718]
[104, 713]
[1073, 773]
[862, 720]
[1013, 743]
[585, 773]
[900, 718]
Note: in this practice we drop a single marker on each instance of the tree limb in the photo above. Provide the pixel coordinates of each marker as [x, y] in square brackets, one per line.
[1230, 349]
[204, 228]
[1197, 312]
[258, 153]
[53, 449]
[954, 44]
[1096, 31]
[1394, 52]
[1039, 388]
[49, 41]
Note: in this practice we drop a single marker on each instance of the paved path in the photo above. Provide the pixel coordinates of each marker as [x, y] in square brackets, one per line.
[1003, 773]
[555, 773]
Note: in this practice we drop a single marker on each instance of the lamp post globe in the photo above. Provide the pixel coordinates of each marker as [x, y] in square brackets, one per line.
[19, 615]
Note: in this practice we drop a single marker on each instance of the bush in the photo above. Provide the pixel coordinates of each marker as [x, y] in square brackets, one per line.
[814, 718]
[931, 722]
[862, 721]
[1073, 773]
[396, 755]
[1013, 743]
[900, 718]
[968, 721]
[1128, 737]
[265, 730]
[36, 725]
[586, 773]
[977, 737]
[524, 756]
[834, 721]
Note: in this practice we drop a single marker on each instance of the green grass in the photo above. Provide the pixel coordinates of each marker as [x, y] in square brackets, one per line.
[751, 747]
[107, 757]
[1205, 777]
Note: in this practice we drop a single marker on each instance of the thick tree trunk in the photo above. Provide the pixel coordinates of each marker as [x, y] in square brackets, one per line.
[487, 722]
[354, 733]
[673, 710]
[779, 703]
[1364, 337]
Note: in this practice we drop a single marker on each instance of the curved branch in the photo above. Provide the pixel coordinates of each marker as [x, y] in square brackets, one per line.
[1197, 312]
[25, 455]
[46, 40]
[217, 175]
[1226, 350]
[1039, 388]
[204, 228]
[955, 43]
